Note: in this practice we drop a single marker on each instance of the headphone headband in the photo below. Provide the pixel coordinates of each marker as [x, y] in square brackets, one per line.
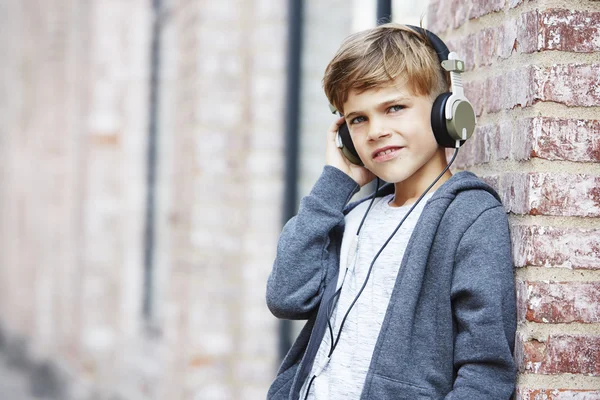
[438, 44]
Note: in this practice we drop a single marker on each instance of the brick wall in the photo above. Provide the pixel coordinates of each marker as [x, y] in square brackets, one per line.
[75, 84]
[220, 196]
[534, 78]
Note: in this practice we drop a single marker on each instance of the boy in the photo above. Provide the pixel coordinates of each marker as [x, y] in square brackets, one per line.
[409, 295]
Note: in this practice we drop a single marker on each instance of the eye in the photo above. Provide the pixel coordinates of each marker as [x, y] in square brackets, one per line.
[395, 108]
[357, 120]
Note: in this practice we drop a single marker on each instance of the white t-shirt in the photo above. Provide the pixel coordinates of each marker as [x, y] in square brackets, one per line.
[343, 375]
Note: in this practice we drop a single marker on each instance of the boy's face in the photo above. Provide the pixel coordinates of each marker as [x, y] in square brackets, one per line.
[391, 130]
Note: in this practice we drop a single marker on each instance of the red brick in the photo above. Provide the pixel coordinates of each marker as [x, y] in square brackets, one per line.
[559, 302]
[514, 35]
[470, 49]
[480, 8]
[566, 139]
[560, 354]
[565, 194]
[573, 84]
[439, 16]
[506, 38]
[486, 40]
[569, 30]
[514, 140]
[527, 28]
[551, 194]
[503, 141]
[552, 29]
[548, 138]
[459, 10]
[514, 191]
[475, 93]
[512, 88]
[466, 47]
[547, 246]
[557, 394]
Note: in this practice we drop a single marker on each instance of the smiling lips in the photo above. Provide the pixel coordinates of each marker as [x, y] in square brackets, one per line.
[386, 153]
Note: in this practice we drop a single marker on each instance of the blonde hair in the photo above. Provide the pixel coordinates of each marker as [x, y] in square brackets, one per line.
[377, 56]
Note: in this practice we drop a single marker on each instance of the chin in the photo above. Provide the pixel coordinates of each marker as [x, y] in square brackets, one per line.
[391, 177]
[393, 171]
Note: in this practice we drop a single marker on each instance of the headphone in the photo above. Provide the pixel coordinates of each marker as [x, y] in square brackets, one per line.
[452, 115]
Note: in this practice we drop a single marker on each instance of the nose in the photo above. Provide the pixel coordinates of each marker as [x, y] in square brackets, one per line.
[377, 130]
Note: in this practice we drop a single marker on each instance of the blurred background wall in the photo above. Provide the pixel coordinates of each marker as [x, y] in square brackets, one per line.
[140, 195]
[143, 165]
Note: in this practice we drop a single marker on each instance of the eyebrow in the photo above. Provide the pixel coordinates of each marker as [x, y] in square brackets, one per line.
[386, 103]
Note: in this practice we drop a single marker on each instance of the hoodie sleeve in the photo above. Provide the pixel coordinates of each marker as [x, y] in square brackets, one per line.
[483, 302]
[296, 282]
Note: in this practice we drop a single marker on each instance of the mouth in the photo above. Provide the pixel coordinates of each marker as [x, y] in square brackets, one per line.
[386, 153]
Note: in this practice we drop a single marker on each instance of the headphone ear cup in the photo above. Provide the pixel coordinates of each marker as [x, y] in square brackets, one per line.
[348, 146]
[438, 121]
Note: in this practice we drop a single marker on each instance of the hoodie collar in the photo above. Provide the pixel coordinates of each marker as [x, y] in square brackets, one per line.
[459, 182]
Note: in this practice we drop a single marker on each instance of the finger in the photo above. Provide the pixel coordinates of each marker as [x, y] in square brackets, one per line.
[335, 126]
[333, 129]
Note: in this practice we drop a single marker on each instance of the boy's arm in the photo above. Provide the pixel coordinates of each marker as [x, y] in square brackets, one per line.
[483, 301]
[296, 282]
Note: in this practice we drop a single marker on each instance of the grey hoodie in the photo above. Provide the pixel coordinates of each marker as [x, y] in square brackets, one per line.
[449, 329]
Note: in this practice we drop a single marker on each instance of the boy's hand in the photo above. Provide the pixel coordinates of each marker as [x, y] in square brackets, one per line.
[335, 158]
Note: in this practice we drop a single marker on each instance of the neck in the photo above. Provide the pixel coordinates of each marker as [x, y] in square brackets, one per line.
[408, 191]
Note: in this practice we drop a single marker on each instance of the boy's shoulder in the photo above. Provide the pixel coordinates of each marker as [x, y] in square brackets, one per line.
[466, 187]
[466, 198]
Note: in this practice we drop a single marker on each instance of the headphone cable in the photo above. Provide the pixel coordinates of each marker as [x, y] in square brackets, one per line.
[334, 344]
